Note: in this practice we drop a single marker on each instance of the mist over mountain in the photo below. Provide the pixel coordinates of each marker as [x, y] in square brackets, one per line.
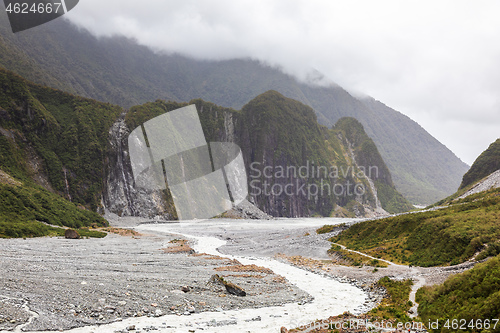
[120, 71]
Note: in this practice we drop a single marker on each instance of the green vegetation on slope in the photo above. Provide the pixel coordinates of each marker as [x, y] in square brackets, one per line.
[55, 140]
[68, 133]
[445, 236]
[396, 305]
[26, 210]
[370, 160]
[487, 163]
[473, 295]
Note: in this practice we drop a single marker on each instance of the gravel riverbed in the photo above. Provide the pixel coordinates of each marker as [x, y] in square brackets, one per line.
[73, 283]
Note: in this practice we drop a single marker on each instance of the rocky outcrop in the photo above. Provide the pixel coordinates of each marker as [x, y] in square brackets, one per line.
[230, 287]
[120, 195]
[246, 210]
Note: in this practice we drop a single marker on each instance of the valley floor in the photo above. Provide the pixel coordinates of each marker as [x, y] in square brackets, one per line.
[58, 284]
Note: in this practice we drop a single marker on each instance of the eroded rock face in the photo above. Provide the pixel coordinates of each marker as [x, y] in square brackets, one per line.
[120, 195]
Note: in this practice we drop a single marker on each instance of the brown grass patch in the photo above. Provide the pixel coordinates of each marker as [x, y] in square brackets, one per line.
[178, 246]
[244, 275]
[279, 279]
[303, 261]
[121, 232]
[245, 268]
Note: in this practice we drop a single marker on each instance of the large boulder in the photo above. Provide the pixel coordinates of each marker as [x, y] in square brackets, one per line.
[71, 234]
[230, 287]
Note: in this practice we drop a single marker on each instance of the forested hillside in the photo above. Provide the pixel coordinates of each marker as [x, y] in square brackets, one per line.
[52, 149]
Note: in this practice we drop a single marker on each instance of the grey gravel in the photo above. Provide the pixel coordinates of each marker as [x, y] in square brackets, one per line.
[74, 283]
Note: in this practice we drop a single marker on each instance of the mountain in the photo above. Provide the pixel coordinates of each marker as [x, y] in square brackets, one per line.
[487, 163]
[483, 175]
[64, 157]
[295, 166]
[119, 71]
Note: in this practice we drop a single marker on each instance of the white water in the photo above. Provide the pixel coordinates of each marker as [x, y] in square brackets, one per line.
[330, 297]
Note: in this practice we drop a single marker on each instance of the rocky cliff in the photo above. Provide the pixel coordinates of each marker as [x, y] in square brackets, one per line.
[295, 166]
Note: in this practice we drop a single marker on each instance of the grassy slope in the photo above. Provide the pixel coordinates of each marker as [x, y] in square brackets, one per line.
[472, 295]
[446, 236]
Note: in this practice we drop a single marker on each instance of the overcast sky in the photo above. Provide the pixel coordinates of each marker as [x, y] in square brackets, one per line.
[435, 61]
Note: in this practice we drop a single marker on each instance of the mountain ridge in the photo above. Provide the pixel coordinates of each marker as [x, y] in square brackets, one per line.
[275, 134]
[119, 71]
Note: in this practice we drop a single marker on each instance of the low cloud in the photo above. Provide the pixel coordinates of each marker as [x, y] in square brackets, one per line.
[434, 61]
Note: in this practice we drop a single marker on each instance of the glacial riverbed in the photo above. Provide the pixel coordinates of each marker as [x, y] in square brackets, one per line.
[253, 242]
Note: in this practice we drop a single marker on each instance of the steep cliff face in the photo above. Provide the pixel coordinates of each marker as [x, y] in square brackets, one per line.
[295, 166]
[120, 195]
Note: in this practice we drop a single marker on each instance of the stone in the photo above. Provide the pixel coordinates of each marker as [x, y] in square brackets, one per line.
[131, 328]
[230, 287]
[71, 234]
[185, 289]
[234, 289]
